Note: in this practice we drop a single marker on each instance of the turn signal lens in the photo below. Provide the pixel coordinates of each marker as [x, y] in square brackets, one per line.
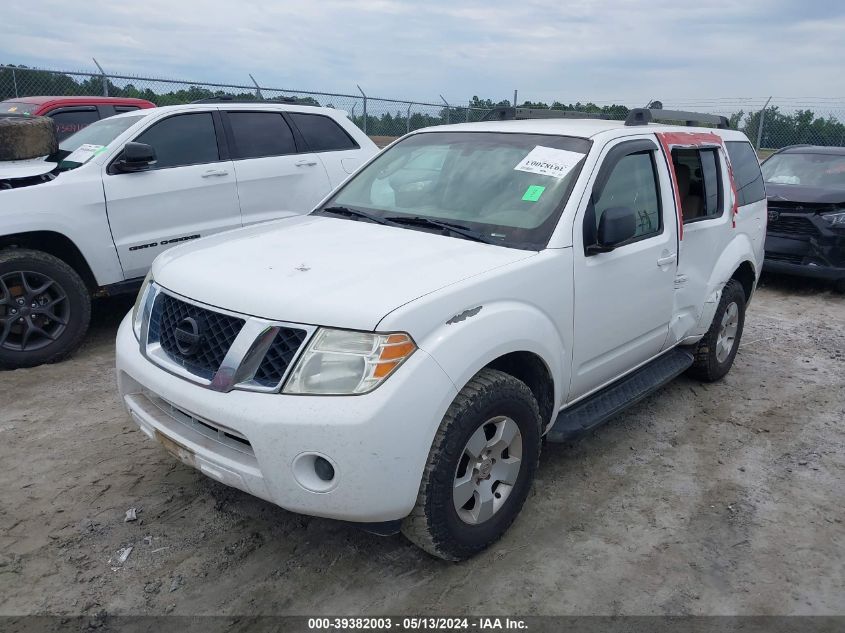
[344, 362]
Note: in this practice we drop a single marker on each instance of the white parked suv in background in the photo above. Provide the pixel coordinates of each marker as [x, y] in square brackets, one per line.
[395, 357]
[90, 219]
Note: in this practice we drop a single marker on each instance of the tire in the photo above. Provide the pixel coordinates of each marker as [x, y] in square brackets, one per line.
[715, 353]
[839, 286]
[45, 308]
[26, 137]
[491, 403]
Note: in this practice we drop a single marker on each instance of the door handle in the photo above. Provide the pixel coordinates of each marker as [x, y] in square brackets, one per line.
[667, 259]
[305, 163]
[215, 172]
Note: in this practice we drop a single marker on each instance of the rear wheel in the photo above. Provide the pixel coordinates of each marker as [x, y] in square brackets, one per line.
[480, 468]
[715, 353]
[45, 308]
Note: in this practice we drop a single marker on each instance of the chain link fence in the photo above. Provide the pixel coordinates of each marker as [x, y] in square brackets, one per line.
[770, 123]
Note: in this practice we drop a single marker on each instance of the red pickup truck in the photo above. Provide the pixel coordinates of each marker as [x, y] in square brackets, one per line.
[71, 114]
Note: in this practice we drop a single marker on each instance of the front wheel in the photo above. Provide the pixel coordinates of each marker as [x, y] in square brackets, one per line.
[479, 469]
[715, 353]
[45, 308]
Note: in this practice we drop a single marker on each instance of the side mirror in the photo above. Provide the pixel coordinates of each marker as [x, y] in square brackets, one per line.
[136, 157]
[617, 225]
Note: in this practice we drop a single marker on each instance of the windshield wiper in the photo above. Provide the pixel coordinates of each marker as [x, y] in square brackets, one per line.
[418, 220]
[355, 213]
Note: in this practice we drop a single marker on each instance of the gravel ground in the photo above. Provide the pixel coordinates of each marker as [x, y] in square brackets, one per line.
[703, 499]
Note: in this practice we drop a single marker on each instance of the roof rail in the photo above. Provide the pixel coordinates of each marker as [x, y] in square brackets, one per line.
[644, 116]
[506, 113]
[232, 99]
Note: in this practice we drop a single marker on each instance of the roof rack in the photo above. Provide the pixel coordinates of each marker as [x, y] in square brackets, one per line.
[506, 113]
[644, 116]
[232, 99]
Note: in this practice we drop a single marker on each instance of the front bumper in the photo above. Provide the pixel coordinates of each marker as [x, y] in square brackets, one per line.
[820, 257]
[265, 443]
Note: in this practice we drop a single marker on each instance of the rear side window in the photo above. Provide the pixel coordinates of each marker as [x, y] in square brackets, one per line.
[321, 133]
[747, 174]
[260, 134]
[125, 108]
[699, 183]
[185, 139]
[69, 122]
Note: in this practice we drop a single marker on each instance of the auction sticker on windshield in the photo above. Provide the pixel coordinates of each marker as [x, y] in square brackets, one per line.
[84, 153]
[549, 161]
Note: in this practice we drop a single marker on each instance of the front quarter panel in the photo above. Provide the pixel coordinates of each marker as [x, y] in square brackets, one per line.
[73, 204]
[524, 307]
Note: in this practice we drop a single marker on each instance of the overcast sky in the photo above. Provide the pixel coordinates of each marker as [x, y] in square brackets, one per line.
[600, 50]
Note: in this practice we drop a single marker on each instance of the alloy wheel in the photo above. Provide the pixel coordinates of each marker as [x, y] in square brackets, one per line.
[487, 470]
[34, 311]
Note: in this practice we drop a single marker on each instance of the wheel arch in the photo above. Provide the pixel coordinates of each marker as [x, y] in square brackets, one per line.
[531, 369]
[56, 244]
[747, 277]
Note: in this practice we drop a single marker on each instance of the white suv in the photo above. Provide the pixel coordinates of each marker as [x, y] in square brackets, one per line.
[395, 357]
[92, 218]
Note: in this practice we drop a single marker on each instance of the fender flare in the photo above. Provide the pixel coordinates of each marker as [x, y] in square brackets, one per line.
[464, 348]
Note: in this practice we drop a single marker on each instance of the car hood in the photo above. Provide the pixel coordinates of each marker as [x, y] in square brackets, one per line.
[10, 169]
[323, 271]
[804, 195]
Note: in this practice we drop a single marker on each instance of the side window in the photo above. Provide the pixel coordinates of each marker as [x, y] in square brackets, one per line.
[125, 108]
[747, 175]
[184, 139]
[69, 122]
[699, 183]
[633, 184]
[260, 134]
[321, 133]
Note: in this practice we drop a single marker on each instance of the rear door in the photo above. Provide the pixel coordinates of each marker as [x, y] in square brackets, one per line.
[338, 151]
[703, 186]
[623, 298]
[190, 192]
[276, 177]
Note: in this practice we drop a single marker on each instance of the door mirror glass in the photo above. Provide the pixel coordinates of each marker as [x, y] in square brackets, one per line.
[136, 157]
[616, 225]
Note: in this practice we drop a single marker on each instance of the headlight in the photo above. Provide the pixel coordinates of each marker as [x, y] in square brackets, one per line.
[835, 219]
[138, 308]
[343, 362]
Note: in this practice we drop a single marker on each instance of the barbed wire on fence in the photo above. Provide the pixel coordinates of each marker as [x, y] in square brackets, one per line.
[772, 122]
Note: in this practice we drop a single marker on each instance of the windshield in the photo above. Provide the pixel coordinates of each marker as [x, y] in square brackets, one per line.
[809, 170]
[509, 189]
[17, 107]
[77, 149]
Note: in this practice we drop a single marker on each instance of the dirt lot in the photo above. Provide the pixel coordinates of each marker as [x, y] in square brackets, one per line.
[704, 499]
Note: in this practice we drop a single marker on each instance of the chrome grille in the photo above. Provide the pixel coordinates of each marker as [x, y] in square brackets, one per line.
[217, 332]
[215, 348]
[278, 357]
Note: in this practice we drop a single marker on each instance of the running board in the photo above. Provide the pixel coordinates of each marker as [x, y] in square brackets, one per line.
[603, 405]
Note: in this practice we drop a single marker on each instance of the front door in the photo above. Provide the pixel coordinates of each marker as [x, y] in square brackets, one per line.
[190, 192]
[623, 298]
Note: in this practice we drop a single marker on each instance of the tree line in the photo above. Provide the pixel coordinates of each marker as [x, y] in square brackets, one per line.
[389, 119]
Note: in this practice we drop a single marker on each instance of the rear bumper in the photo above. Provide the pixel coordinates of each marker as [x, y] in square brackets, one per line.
[260, 443]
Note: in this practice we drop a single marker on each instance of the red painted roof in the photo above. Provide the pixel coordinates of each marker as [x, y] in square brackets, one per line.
[51, 102]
